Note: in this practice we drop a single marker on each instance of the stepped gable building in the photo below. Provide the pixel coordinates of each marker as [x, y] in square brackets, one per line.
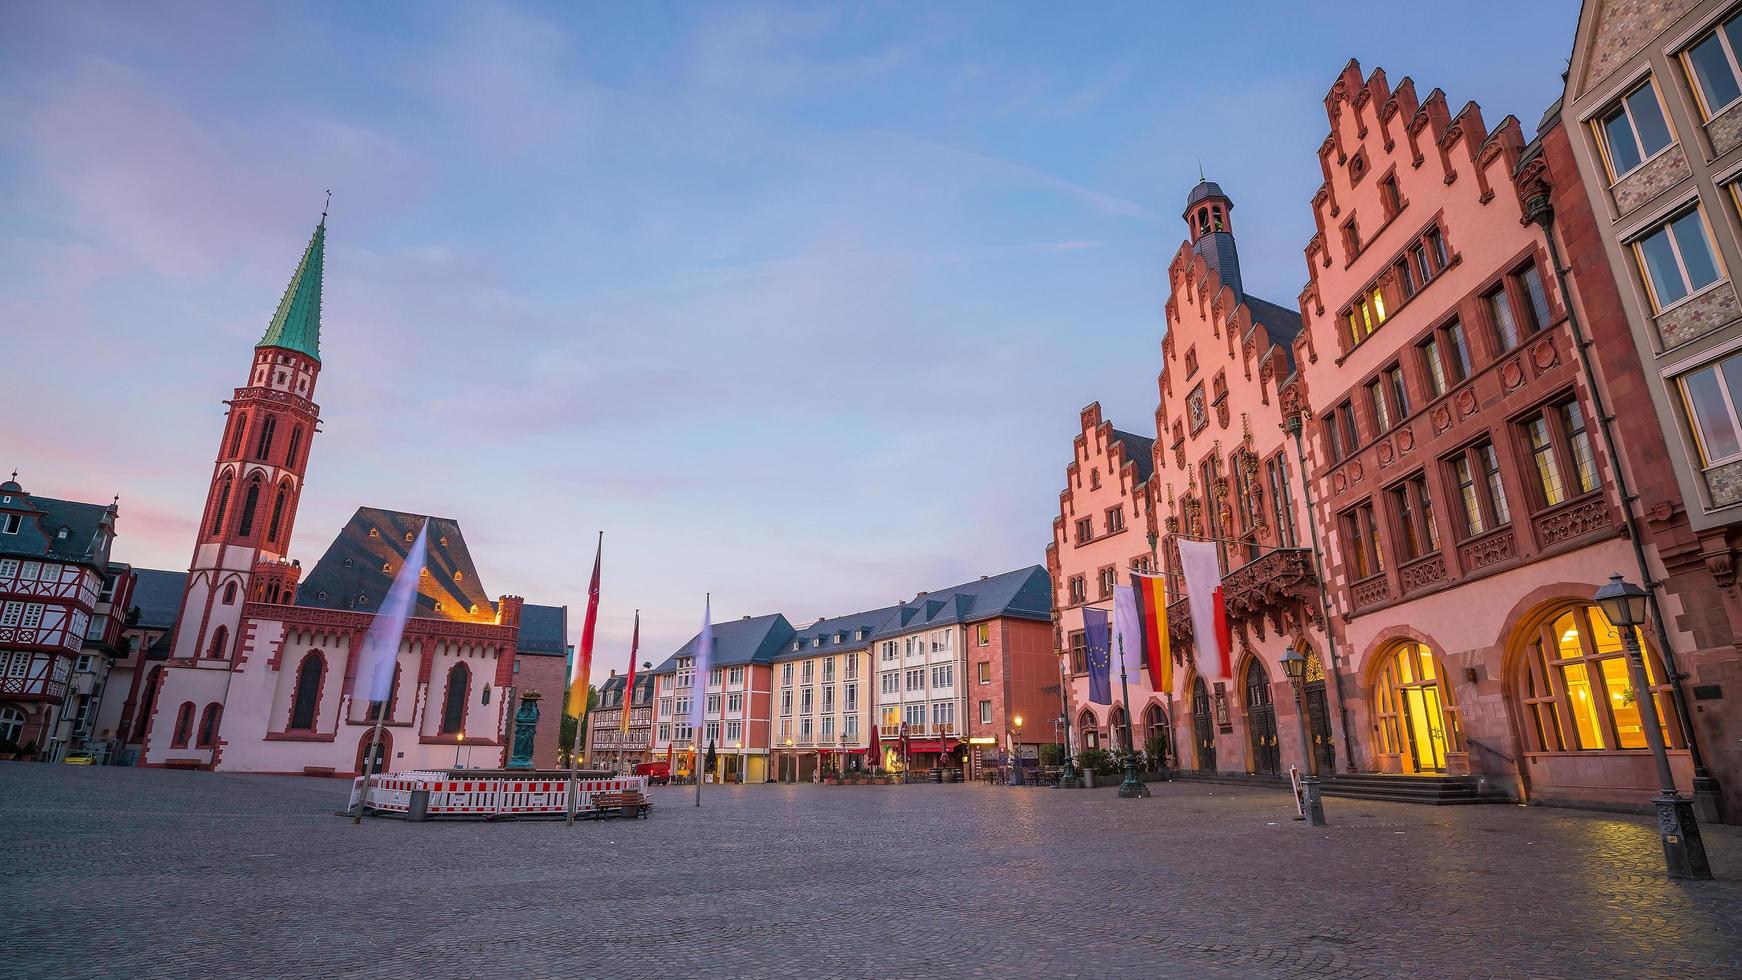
[1652, 123]
[1460, 462]
[956, 667]
[1103, 531]
[737, 692]
[59, 627]
[1226, 472]
[822, 683]
[607, 744]
[260, 675]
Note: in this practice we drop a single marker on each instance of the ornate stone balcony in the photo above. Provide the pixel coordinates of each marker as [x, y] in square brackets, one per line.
[1370, 590]
[1489, 549]
[1275, 581]
[1422, 573]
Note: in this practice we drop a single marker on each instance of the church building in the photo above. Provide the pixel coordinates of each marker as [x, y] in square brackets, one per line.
[261, 674]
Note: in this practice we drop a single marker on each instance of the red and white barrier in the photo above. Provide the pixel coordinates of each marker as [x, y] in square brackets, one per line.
[485, 798]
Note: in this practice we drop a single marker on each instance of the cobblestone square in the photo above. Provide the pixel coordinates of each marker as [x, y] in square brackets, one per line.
[128, 872]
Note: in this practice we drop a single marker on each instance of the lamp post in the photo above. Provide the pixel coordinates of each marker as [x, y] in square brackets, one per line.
[1294, 664]
[1684, 853]
[1068, 778]
[1132, 788]
[1016, 750]
[459, 740]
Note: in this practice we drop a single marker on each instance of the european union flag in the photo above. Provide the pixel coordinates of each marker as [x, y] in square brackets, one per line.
[1096, 634]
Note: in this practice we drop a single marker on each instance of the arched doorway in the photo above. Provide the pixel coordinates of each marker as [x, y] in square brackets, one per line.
[1087, 730]
[1203, 726]
[1157, 740]
[1324, 754]
[1265, 758]
[383, 752]
[1414, 711]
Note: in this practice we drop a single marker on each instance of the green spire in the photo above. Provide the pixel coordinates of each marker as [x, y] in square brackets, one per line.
[297, 324]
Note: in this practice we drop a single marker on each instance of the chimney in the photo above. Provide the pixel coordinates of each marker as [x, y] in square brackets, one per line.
[920, 596]
[984, 577]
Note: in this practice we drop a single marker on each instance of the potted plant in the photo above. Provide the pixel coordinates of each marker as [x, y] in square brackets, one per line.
[8, 750]
[28, 753]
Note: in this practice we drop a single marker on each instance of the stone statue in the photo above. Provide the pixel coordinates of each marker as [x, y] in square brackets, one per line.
[525, 727]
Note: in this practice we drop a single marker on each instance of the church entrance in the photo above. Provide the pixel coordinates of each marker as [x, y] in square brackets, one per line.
[1266, 757]
[1203, 727]
[383, 752]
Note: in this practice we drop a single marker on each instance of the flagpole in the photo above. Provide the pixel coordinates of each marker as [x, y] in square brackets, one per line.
[703, 642]
[575, 765]
[1132, 788]
[583, 667]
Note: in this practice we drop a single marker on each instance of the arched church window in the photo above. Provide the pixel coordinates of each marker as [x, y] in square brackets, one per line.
[209, 725]
[230, 594]
[306, 700]
[250, 501]
[237, 433]
[1216, 220]
[184, 726]
[263, 448]
[454, 703]
[220, 640]
[278, 502]
[295, 443]
[224, 486]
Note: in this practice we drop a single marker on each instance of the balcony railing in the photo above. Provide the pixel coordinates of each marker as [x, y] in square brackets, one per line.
[1273, 582]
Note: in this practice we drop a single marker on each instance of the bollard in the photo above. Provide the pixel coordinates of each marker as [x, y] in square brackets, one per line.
[419, 807]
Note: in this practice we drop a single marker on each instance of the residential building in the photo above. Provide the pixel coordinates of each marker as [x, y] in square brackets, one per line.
[736, 697]
[956, 668]
[58, 629]
[1652, 122]
[146, 642]
[822, 697]
[609, 744]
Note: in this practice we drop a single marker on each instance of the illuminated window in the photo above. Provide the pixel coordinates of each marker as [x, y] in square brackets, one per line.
[1416, 718]
[1577, 690]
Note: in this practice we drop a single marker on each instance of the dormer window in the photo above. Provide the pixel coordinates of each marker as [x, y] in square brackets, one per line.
[374, 532]
[348, 563]
[798, 644]
[459, 576]
[61, 534]
[387, 566]
[362, 598]
[321, 595]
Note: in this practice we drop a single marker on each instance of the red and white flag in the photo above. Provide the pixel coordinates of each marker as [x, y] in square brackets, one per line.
[1203, 574]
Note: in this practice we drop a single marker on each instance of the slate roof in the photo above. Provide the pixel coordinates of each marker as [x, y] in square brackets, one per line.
[358, 567]
[39, 533]
[1139, 450]
[839, 634]
[157, 596]
[751, 640]
[1025, 593]
[643, 689]
[1204, 189]
[543, 631]
[297, 323]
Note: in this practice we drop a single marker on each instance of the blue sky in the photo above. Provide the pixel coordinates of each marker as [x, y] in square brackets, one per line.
[798, 303]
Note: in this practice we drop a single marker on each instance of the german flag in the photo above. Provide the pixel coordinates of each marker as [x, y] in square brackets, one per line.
[1150, 592]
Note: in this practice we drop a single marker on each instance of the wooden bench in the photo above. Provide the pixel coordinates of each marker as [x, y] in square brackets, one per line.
[622, 803]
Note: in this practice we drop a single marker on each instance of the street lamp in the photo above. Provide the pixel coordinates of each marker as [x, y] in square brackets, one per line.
[1016, 750]
[1068, 778]
[459, 740]
[1684, 853]
[1294, 664]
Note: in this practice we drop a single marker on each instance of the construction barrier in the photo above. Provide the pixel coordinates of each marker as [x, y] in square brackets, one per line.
[484, 799]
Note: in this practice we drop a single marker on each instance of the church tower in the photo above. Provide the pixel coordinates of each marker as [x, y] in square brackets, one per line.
[257, 479]
[1208, 213]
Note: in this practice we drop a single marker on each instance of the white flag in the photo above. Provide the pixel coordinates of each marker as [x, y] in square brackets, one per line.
[704, 663]
[1127, 630]
[381, 644]
[1203, 575]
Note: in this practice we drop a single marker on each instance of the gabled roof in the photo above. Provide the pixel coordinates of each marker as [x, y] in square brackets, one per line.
[751, 640]
[359, 566]
[643, 694]
[1139, 450]
[839, 634]
[1025, 593]
[543, 631]
[297, 324]
[157, 596]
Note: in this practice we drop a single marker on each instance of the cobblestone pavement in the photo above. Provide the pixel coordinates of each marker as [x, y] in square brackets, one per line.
[125, 872]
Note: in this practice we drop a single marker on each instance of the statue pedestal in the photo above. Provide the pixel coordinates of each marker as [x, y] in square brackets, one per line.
[525, 728]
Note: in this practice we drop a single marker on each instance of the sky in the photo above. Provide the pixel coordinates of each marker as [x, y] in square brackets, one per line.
[797, 303]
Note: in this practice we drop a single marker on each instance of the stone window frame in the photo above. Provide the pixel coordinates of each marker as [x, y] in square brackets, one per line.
[1552, 412]
[1684, 55]
[1600, 137]
[1634, 242]
[1359, 526]
[1732, 403]
[1414, 516]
